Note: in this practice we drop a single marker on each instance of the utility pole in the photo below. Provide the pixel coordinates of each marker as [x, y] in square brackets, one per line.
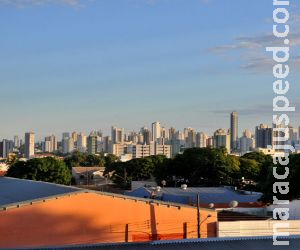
[125, 178]
[198, 216]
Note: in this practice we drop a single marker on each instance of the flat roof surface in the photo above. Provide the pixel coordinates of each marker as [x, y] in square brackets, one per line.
[213, 194]
[18, 190]
[247, 243]
[218, 195]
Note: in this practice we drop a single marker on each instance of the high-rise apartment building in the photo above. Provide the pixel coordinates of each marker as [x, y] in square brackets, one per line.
[246, 142]
[6, 147]
[142, 151]
[222, 139]
[134, 137]
[46, 146]
[117, 135]
[164, 133]
[67, 145]
[92, 144]
[176, 147]
[50, 144]
[146, 135]
[246, 145]
[16, 141]
[247, 133]
[191, 138]
[162, 150]
[29, 145]
[156, 131]
[293, 133]
[54, 143]
[74, 136]
[263, 136]
[81, 142]
[117, 149]
[280, 133]
[233, 130]
[106, 144]
[172, 133]
[65, 135]
[201, 140]
[210, 142]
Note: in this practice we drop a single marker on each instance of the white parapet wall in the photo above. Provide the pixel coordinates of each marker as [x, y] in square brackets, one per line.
[294, 209]
[255, 228]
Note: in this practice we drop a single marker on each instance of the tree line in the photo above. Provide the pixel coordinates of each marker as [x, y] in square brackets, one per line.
[196, 167]
[209, 167]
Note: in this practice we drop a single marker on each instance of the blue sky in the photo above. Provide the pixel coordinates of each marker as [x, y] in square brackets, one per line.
[81, 65]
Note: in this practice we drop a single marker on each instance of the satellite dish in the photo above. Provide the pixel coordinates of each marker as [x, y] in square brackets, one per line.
[211, 205]
[184, 187]
[233, 204]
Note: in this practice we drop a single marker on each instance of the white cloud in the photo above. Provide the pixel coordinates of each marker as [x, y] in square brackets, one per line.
[257, 42]
[263, 64]
[252, 52]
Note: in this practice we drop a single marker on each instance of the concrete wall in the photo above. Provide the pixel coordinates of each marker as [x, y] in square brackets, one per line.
[95, 218]
[254, 228]
[294, 210]
[294, 207]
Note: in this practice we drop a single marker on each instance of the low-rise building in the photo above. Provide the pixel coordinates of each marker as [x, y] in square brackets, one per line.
[55, 215]
[88, 175]
[216, 197]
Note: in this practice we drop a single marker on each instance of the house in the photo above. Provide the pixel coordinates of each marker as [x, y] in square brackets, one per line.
[148, 184]
[88, 175]
[214, 197]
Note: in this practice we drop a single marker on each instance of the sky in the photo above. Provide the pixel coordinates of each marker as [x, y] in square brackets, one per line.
[82, 65]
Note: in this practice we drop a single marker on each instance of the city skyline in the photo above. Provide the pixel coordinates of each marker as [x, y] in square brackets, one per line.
[85, 69]
[108, 131]
[157, 140]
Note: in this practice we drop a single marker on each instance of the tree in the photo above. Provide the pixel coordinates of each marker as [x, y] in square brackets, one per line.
[265, 162]
[75, 159]
[93, 160]
[292, 179]
[250, 169]
[110, 159]
[84, 160]
[232, 170]
[136, 169]
[294, 167]
[41, 169]
[201, 167]
[12, 159]
[258, 157]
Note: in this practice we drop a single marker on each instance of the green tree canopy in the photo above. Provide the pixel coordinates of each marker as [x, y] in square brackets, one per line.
[136, 169]
[110, 160]
[202, 166]
[41, 169]
[84, 160]
[249, 169]
[293, 180]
